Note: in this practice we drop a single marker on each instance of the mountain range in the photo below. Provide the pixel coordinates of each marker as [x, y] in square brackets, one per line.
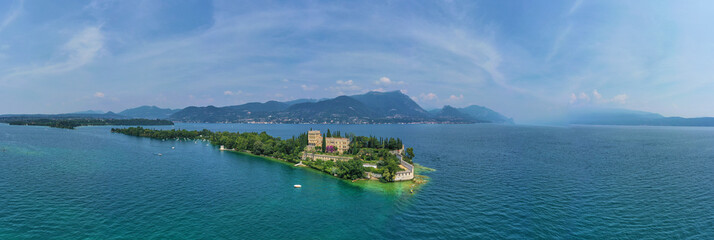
[371, 107]
[16, 117]
[608, 116]
[149, 112]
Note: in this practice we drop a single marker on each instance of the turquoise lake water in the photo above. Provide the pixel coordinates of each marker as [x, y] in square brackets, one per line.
[492, 181]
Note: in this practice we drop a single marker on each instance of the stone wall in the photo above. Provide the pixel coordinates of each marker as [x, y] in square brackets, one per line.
[405, 175]
[314, 156]
[373, 175]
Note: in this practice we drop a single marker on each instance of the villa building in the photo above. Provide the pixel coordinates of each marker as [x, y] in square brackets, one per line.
[314, 139]
[340, 144]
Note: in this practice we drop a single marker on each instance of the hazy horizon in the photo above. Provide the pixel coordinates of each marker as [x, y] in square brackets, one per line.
[527, 60]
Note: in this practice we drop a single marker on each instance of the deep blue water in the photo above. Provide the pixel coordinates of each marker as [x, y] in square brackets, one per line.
[492, 181]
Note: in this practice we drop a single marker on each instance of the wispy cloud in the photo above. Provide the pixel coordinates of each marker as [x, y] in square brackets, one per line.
[575, 7]
[13, 13]
[81, 49]
[641, 56]
[78, 51]
[558, 42]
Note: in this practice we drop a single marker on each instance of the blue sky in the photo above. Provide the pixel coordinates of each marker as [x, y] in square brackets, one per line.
[531, 60]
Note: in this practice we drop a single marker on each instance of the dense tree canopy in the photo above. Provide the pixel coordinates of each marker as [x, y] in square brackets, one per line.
[366, 149]
[72, 123]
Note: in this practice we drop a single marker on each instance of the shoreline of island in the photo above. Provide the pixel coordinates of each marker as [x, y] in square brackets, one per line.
[371, 184]
[354, 159]
[71, 123]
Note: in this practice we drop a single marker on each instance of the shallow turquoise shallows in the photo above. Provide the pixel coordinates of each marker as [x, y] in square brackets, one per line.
[492, 181]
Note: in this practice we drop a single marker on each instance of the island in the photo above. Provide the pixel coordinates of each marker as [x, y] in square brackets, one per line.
[72, 123]
[345, 156]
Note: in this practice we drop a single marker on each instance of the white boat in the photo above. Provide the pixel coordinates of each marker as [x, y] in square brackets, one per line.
[159, 154]
[297, 186]
[173, 147]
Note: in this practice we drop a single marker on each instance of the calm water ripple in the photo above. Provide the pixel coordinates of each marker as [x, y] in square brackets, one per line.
[492, 181]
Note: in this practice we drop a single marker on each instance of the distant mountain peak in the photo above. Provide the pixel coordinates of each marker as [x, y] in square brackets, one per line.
[451, 114]
[485, 114]
[369, 107]
[148, 112]
[89, 112]
[394, 104]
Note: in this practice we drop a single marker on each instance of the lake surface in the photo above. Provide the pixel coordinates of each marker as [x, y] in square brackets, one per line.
[492, 181]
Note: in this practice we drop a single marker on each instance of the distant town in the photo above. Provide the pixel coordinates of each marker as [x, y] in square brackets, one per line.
[368, 108]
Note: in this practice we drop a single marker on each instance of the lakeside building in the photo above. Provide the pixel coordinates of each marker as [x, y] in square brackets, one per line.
[314, 139]
[340, 144]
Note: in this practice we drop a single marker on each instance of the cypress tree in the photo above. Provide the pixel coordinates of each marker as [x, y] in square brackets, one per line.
[324, 143]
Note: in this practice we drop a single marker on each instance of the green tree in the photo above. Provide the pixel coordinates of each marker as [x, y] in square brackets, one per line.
[387, 177]
[324, 143]
[410, 153]
[351, 169]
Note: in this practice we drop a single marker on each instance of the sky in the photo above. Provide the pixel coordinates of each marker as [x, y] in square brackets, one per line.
[531, 60]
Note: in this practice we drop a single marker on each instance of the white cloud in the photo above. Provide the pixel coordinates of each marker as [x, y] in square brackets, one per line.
[597, 98]
[378, 90]
[456, 98]
[99, 94]
[386, 81]
[345, 83]
[428, 96]
[344, 86]
[231, 93]
[597, 95]
[621, 99]
[584, 97]
[308, 88]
